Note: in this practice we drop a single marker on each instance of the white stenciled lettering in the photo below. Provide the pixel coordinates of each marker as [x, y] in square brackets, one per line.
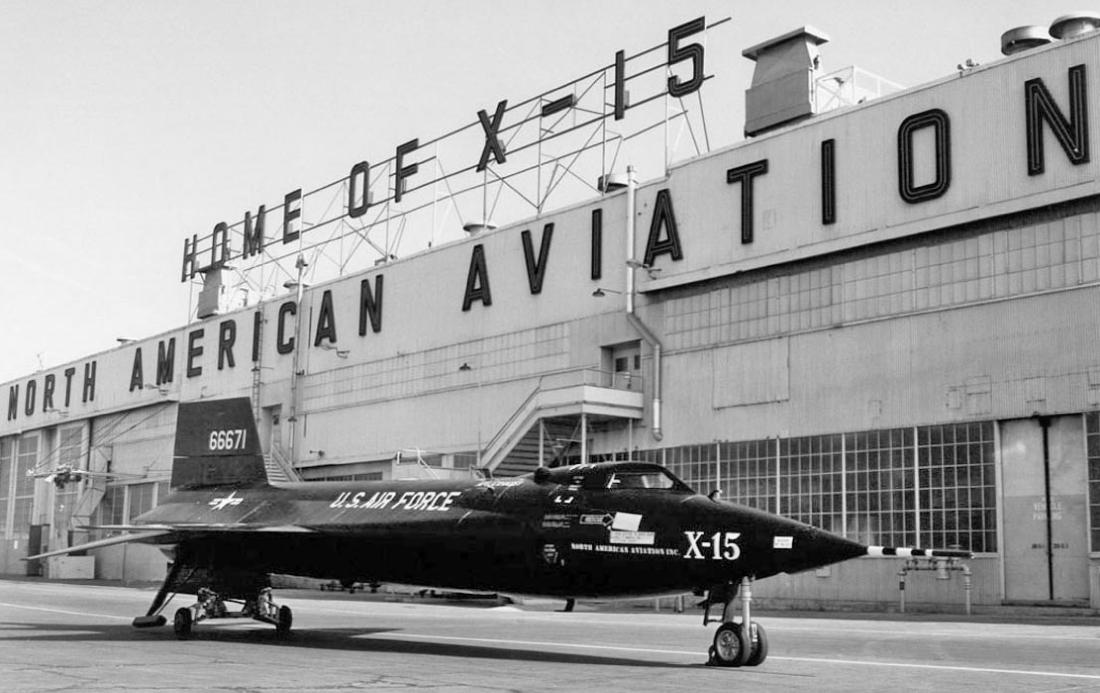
[693, 545]
[380, 499]
[417, 501]
[719, 546]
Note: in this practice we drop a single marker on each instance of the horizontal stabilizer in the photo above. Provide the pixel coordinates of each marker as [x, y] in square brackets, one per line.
[123, 539]
[900, 552]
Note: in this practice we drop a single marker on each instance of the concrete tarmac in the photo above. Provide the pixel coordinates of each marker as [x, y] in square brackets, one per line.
[66, 637]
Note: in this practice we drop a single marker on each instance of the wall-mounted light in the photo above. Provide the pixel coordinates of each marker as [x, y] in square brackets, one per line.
[465, 367]
[651, 271]
[600, 292]
[342, 353]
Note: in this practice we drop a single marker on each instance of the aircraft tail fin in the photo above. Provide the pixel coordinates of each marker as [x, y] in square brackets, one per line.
[217, 444]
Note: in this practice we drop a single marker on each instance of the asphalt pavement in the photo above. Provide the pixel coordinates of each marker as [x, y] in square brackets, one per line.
[65, 636]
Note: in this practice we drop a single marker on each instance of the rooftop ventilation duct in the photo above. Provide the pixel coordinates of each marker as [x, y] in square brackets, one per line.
[213, 295]
[782, 88]
[1073, 25]
[1024, 38]
[475, 227]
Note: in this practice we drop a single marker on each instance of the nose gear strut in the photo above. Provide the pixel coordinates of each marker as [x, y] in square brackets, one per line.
[736, 643]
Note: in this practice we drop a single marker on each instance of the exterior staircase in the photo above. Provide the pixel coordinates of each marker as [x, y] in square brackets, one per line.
[548, 424]
[544, 444]
[279, 469]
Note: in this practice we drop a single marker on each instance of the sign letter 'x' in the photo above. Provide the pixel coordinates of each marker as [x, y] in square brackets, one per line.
[491, 141]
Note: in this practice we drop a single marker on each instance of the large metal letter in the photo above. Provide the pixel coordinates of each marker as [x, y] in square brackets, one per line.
[692, 51]
[1072, 133]
[357, 209]
[536, 267]
[401, 172]
[941, 125]
[291, 213]
[744, 175]
[492, 143]
[477, 280]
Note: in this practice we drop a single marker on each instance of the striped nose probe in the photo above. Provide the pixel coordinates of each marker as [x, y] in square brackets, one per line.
[901, 552]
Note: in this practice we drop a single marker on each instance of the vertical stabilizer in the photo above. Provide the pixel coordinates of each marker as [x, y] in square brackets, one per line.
[217, 445]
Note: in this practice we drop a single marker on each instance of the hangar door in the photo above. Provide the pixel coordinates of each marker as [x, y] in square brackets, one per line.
[1045, 554]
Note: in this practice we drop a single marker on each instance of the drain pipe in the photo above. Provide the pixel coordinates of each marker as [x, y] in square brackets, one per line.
[631, 317]
[1044, 423]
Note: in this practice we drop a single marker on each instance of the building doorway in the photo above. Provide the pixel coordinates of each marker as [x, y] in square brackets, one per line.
[626, 365]
[1046, 554]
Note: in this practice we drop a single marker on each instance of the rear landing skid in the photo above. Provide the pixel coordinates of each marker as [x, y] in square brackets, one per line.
[211, 605]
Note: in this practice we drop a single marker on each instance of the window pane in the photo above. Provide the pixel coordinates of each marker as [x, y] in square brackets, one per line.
[881, 487]
[961, 508]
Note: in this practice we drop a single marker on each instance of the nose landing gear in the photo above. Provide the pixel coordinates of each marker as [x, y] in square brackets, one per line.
[736, 643]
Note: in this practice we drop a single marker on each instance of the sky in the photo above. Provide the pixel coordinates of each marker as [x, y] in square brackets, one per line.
[127, 126]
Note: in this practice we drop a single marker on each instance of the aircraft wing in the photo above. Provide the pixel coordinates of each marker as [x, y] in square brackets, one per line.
[147, 534]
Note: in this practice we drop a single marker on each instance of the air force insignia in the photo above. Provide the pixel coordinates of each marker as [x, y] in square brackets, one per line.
[223, 503]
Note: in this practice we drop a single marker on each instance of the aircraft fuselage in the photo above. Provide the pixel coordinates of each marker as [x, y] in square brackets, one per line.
[592, 530]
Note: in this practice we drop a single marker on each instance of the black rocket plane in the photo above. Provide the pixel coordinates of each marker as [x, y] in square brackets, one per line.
[590, 530]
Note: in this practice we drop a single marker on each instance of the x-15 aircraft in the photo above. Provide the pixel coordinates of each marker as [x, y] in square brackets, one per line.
[594, 530]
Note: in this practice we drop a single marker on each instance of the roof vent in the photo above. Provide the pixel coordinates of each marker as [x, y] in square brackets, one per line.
[1074, 25]
[213, 297]
[1023, 38]
[782, 88]
[610, 182]
[475, 227]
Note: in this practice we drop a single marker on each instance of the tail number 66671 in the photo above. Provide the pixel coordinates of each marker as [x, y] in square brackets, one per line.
[228, 439]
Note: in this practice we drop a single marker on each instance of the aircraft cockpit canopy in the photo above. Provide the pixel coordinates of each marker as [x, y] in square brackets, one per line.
[641, 479]
[613, 476]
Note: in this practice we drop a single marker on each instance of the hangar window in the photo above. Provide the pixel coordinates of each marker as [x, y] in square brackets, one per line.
[930, 486]
[1092, 428]
[810, 471]
[695, 465]
[880, 487]
[109, 510]
[7, 450]
[749, 473]
[26, 459]
[69, 453]
[141, 499]
[958, 496]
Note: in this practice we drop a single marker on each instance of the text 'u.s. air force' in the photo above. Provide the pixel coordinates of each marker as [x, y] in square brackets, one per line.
[437, 501]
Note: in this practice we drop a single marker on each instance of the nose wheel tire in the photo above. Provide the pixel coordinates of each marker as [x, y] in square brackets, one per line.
[758, 647]
[285, 619]
[730, 648]
[182, 623]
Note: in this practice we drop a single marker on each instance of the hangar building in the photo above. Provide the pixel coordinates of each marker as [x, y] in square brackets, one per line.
[881, 319]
